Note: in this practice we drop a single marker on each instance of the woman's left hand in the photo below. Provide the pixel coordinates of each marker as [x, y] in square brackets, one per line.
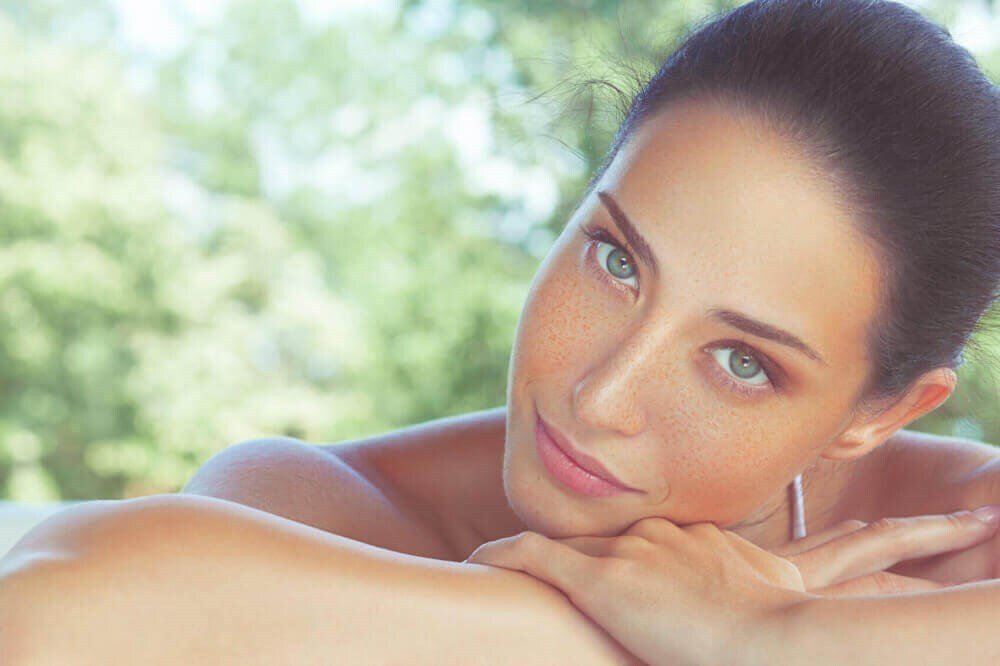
[694, 594]
[668, 594]
[925, 552]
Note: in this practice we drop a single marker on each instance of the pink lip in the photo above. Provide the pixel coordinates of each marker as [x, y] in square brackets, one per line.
[574, 468]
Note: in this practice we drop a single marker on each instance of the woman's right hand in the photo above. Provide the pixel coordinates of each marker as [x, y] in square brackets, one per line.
[851, 557]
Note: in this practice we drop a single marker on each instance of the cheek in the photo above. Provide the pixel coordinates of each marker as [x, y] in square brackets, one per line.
[556, 326]
[717, 462]
[723, 465]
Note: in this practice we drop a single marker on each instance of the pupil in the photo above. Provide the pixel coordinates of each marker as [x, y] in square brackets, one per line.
[741, 363]
[616, 261]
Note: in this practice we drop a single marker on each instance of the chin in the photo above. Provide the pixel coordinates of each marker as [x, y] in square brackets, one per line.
[541, 506]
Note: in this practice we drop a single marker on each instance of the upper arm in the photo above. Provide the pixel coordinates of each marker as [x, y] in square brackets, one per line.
[310, 485]
[274, 591]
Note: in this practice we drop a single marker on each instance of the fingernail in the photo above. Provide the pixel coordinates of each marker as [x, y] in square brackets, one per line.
[989, 514]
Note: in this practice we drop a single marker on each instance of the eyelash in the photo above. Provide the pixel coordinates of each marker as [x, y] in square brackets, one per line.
[601, 235]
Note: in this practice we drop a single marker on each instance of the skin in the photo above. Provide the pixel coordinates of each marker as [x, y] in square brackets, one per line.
[736, 219]
[626, 375]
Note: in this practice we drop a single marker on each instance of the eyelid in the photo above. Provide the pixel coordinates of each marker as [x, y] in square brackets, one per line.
[601, 235]
[602, 275]
[771, 369]
[775, 377]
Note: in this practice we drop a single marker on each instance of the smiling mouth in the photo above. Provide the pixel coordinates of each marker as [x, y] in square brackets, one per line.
[559, 462]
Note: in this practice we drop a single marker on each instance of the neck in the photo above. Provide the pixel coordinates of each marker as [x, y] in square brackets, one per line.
[823, 488]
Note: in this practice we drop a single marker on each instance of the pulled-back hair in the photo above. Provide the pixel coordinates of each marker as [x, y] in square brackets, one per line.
[901, 121]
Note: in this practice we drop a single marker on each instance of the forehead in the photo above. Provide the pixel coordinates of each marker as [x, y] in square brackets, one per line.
[738, 219]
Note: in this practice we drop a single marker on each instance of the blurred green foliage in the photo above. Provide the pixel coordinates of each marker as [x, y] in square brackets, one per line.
[292, 218]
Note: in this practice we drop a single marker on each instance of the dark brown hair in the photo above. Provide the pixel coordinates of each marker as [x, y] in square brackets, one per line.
[901, 120]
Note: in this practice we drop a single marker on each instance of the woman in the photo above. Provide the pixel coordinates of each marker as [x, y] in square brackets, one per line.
[792, 238]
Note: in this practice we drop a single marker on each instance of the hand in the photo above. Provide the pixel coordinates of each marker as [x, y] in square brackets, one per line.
[667, 594]
[685, 594]
[850, 558]
[975, 563]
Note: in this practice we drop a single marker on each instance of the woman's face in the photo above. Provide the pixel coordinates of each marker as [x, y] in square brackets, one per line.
[705, 420]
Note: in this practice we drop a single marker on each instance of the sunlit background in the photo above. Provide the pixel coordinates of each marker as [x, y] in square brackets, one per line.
[231, 220]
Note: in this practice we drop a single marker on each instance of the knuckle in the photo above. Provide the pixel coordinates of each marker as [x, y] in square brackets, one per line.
[527, 540]
[853, 524]
[885, 582]
[703, 528]
[960, 520]
[791, 575]
[651, 528]
[733, 540]
[628, 544]
[884, 525]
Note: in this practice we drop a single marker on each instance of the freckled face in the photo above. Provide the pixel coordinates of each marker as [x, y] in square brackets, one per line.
[707, 421]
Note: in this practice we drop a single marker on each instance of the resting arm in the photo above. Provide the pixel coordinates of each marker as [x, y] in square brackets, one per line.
[948, 626]
[171, 579]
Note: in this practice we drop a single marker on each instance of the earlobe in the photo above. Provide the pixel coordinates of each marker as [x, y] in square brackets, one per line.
[850, 447]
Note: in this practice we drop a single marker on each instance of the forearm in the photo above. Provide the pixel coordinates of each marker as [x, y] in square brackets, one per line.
[201, 580]
[948, 626]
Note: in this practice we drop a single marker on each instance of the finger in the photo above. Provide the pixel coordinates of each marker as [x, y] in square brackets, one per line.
[629, 546]
[819, 538]
[654, 529]
[883, 543]
[976, 563]
[548, 560]
[878, 583]
[777, 567]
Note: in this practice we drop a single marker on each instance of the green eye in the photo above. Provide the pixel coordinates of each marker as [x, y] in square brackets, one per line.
[617, 262]
[612, 262]
[740, 368]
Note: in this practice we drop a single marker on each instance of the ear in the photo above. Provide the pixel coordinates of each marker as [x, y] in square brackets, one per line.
[868, 431]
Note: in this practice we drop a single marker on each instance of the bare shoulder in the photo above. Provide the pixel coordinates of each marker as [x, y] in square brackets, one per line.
[977, 481]
[956, 459]
[385, 453]
[413, 461]
[448, 470]
[922, 473]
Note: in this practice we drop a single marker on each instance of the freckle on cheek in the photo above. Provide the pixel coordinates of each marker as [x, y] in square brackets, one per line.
[558, 325]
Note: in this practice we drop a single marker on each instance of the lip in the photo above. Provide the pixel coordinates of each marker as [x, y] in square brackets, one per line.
[573, 468]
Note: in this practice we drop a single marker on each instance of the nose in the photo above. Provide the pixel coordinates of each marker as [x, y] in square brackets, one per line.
[610, 395]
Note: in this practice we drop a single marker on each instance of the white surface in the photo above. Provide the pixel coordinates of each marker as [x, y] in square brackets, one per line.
[17, 518]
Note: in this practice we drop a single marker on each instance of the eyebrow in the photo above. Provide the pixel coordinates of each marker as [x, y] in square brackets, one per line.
[764, 330]
[733, 318]
[632, 235]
